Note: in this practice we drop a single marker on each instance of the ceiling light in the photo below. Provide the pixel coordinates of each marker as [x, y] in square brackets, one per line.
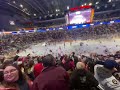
[56, 14]
[97, 2]
[109, 0]
[51, 15]
[14, 2]
[68, 7]
[98, 7]
[21, 5]
[90, 3]
[34, 14]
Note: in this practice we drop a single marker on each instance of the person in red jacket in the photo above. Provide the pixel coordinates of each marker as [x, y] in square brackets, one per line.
[38, 68]
[52, 77]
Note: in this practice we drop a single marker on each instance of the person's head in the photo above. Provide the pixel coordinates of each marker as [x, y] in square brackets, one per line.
[73, 53]
[80, 65]
[111, 58]
[11, 72]
[100, 57]
[48, 60]
[111, 65]
[90, 66]
[39, 59]
[16, 58]
[31, 63]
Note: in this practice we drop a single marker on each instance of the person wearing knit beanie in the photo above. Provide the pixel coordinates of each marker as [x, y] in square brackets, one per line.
[110, 64]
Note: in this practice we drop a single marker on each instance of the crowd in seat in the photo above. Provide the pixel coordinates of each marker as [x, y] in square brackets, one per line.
[108, 15]
[22, 41]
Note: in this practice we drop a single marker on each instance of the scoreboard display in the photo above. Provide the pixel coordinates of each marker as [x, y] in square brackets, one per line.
[80, 16]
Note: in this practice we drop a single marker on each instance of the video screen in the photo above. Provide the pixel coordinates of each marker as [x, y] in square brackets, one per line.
[80, 17]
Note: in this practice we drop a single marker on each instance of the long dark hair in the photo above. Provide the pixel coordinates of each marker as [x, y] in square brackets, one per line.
[22, 82]
[11, 63]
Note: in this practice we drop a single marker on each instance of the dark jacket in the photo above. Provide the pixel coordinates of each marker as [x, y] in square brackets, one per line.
[82, 80]
[52, 78]
[75, 59]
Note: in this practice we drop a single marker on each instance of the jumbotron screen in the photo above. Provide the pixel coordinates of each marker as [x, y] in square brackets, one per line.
[80, 17]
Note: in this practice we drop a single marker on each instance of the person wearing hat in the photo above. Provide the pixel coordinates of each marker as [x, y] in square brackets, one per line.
[103, 73]
[52, 77]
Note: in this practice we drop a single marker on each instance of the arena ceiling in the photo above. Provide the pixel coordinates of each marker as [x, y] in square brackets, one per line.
[44, 8]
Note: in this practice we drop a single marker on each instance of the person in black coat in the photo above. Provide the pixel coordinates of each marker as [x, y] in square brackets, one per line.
[82, 79]
[74, 58]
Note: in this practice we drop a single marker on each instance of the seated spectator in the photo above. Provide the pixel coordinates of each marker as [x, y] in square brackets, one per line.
[52, 77]
[82, 79]
[103, 73]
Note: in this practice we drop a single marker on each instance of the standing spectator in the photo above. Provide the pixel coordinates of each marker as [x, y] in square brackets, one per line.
[74, 58]
[103, 73]
[30, 68]
[82, 79]
[38, 68]
[52, 77]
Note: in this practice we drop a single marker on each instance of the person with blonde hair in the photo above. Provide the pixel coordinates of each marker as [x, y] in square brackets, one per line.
[80, 65]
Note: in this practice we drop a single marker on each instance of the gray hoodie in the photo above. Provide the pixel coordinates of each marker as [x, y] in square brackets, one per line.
[105, 78]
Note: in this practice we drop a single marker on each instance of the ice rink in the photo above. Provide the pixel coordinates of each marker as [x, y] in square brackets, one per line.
[100, 46]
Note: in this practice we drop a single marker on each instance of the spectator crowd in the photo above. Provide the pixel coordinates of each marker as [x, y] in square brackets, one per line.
[63, 72]
[21, 41]
[67, 72]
